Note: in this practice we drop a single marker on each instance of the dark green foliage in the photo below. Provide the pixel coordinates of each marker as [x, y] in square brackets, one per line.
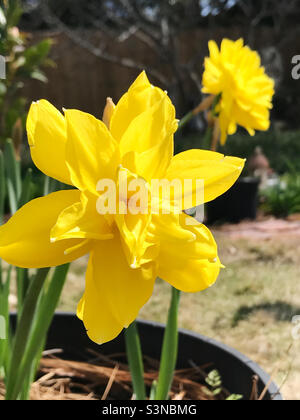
[283, 199]
[23, 62]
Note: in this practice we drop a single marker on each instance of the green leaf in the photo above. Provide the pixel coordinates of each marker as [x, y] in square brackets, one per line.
[2, 18]
[135, 361]
[234, 397]
[26, 194]
[13, 12]
[3, 89]
[13, 174]
[40, 324]
[153, 390]
[169, 349]
[4, 312]
[2, 187]
[23, 332]
[214, 379]
[39, 75]
[36, 54]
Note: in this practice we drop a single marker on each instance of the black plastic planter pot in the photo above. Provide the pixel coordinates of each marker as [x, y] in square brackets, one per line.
[67, 333]
[237, 204]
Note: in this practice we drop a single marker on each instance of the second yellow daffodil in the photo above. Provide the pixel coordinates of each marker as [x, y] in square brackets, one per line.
[235, 73]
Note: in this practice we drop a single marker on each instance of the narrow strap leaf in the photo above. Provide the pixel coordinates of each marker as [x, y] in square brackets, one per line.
[169, 349]
[23, 330]
[135, 360]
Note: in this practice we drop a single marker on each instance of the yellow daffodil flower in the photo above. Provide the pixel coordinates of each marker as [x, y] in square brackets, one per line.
[127, 251]
[235, 73]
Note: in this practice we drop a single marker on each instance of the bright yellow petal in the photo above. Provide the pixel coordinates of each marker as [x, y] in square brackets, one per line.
[144, 122]
[140, 96]
[214, 51]
[150, 128]
[114, 292]
[47, 139]
[152, 163]
[25, 238]
[92, 153]
[81, 220]
[94, 311]
[132, 214]
[190, 266]
[217, 172]
[151, 136]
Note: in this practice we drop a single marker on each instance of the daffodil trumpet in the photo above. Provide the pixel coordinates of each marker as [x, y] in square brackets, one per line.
[137, 242]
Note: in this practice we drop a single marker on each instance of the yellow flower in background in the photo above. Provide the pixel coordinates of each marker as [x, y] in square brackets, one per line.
[235, 73]
[127, 251]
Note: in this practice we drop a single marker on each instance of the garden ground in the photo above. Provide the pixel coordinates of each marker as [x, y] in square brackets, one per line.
[250, 307]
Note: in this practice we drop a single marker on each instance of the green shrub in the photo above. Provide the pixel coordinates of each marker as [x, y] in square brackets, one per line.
[23, 62]
[283, 199]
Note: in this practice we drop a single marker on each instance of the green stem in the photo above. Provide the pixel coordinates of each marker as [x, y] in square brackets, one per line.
[169, 349]
[190, 115]
[207, 139]
[187, 118]
[23, 330]
[135, 360]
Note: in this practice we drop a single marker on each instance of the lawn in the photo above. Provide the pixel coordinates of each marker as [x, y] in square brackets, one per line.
[250, 307]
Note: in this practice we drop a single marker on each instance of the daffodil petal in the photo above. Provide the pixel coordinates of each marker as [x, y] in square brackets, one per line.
[91, 153]
[203, 176]
[153, 163]
[81, 220]
[140, 97]
[47, 139]
[190, 266]
[94, 311]
[25, 238]
[150, 136]
[114, 291]
[150, 127]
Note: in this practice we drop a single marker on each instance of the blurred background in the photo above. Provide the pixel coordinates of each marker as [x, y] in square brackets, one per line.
[75, 53]
[95, 49]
